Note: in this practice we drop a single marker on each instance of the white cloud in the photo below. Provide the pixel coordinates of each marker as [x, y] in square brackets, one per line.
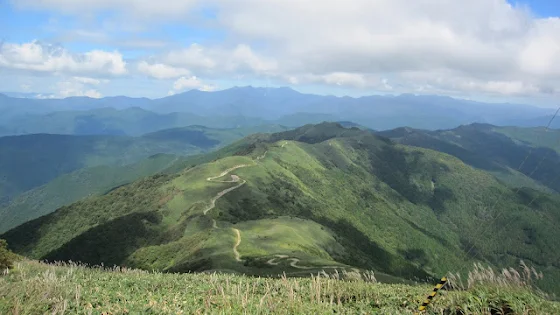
[161, 71]
[75, 88]
[445, 46]
[343, 78]
[485, 46]
[243, 57]
[189, 83]
[90, 81]
[195, 56]
[220, 60]
[35, 56]
[502, 48]
[541, 54]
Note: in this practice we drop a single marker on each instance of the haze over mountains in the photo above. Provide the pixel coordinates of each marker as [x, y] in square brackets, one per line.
[249, 106]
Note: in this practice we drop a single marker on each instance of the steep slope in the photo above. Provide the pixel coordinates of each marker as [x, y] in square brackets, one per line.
[319, 197]
[499, 150]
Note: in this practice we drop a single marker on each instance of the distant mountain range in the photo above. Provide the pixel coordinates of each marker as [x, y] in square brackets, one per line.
[247, 106]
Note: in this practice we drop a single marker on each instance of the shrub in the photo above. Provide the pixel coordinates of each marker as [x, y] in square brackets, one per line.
[7, 258]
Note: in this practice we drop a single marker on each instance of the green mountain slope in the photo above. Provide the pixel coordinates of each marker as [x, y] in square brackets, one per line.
[318, 197]
[71, 187]
[32, 160]
[41, 173]
[499, 150]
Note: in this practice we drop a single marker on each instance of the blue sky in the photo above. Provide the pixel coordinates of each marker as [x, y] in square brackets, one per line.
[542, 8]
[490, 50]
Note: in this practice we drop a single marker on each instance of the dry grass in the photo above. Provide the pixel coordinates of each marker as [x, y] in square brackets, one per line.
[487, 276]
[37, 288]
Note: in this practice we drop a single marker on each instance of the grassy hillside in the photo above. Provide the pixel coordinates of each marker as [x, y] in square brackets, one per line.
[40, 173]
[34, 288]
[499, 150]
[319, 197]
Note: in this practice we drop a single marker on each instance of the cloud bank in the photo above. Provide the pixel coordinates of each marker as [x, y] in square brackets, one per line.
[478, 47]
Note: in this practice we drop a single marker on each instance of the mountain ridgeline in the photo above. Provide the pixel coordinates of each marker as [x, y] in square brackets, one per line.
[250, 106]
[518, 156]
[320, 197]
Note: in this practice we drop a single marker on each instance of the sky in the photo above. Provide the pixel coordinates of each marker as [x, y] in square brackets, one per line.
[489, 50]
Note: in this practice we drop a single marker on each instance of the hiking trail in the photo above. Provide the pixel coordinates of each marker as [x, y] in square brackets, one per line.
[237, 242]
[234, 179]
[294, 262]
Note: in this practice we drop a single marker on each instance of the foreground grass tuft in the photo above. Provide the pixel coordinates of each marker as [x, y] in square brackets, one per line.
[37, 288]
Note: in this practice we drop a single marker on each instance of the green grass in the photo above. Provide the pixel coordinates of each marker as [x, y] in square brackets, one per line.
[35, 288]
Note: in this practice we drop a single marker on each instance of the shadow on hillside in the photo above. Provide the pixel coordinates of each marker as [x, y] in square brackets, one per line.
[110, 243]
[367, 254]
[23, 238]
[396, 168]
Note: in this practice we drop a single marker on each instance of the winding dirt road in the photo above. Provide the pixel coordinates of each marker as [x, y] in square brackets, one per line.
[237, 242]
[223, 192]
[294, 262]
[234, 179]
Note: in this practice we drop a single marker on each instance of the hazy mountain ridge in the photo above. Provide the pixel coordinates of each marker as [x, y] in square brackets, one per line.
[250, 106]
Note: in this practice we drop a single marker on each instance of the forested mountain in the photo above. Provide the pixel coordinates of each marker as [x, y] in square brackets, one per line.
[518, 156]
[318, 197]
